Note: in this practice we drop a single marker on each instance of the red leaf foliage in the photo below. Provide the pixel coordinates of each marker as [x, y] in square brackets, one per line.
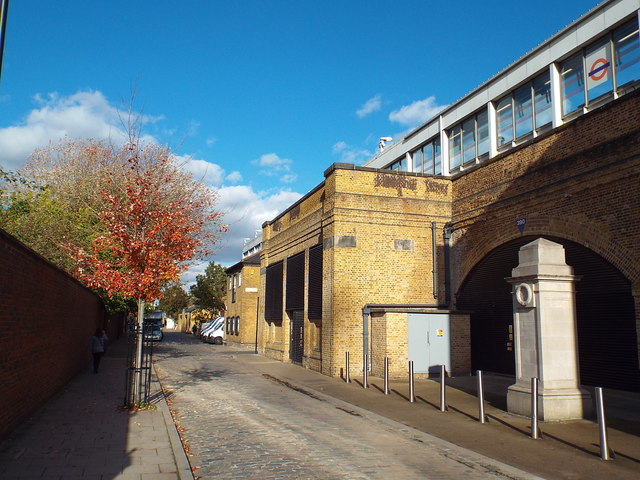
[156, 218]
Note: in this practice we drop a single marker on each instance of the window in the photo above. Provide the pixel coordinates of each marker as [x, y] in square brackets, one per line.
[572, 84]
[504, 119]
[437, 159]
[626, 45]
[599, 71]
[418, 159]
[455, 147]
[397, 165]
[523, 110]
[428, 157]
[236, 328]
[542, 100]
[482, 120]
[469, 141]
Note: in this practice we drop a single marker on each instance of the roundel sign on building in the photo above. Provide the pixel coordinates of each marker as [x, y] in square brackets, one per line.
[599, 69]
[599, 65]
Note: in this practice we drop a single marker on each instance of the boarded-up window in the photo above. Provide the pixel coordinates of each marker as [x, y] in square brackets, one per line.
[295, 282]
[315, 283]
[273, 292]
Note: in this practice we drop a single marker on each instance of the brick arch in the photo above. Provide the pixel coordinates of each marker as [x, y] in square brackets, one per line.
[473, 243]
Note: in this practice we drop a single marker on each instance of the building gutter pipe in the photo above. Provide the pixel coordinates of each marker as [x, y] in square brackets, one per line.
[447, 231]
[366, 312]
[434, 259]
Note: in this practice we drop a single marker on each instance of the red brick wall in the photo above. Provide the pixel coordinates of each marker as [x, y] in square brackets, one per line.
[46, 322]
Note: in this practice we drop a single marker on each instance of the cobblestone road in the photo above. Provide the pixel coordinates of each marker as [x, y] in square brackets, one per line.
[240, 423]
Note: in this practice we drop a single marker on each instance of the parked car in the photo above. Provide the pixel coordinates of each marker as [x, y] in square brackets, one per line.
[205, 326]
[214, 332]
[154, 334]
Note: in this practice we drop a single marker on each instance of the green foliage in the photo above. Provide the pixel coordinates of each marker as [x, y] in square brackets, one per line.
[117, 303]
[210, 289]
[174, 299]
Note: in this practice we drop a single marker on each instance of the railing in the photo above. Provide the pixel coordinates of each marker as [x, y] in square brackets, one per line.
[139, 358]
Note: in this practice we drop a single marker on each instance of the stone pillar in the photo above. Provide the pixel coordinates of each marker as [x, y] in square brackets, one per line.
[546, 344]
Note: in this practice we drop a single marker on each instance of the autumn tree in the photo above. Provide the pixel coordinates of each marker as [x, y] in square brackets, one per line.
[209, 290]
[174, 299]
[156, 218]
[55, 199]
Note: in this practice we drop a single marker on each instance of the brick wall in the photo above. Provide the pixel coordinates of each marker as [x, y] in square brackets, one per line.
[46, 322]
[578, 182]
[375, 227]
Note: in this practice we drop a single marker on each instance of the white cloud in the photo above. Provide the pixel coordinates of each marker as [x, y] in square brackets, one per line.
[245, 211]
[274, 166]
[351, 154]
[234, 177]
[274, 161]
[289, 178]
[370, 106]
[188, 278]
[85, 114]
[416, 113]
[203, 171]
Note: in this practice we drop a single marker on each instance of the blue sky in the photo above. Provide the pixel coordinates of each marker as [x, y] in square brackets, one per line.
[263, 96]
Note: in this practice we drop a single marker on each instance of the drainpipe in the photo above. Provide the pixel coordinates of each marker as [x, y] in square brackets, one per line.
[366, 312]
[448, 229]
[434, 259]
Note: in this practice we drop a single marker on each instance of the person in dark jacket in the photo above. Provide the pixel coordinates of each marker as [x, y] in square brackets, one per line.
[98, 344]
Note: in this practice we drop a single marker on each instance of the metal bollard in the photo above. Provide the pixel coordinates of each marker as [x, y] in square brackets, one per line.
[481, 415]
[365, 372]
[412, 396]
[443, 386]
[602, 425]
[347, 376]
[535, 433]
[386, 375]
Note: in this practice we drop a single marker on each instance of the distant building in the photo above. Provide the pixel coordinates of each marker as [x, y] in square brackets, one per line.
[242, 299]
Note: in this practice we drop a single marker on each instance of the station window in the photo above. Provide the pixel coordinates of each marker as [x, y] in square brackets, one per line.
[426, 159]
[542, 100]
[626, 45]
[417, 157]
[504, 119]
[523, 110]
[572, 84]
[469, 141]
[482, 125]
[397, 165]
[455, 147]
[599, 71]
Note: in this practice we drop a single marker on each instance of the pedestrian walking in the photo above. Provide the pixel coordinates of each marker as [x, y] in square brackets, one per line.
[98, 346]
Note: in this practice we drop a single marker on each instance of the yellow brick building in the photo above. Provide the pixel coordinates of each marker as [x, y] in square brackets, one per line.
[407, 256]
[243, 280]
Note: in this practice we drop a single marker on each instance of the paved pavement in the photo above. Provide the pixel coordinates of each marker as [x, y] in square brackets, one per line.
[83, 433]
[246, 416]
[239, 421]
[241, 411]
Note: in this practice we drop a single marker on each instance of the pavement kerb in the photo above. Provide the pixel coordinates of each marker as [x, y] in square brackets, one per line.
[183, 467]
[448, 449]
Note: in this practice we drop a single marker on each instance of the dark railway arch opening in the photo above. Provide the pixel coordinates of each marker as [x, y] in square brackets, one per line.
[607, 337]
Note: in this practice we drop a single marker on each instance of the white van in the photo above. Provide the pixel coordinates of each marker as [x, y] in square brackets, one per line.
[214, 332]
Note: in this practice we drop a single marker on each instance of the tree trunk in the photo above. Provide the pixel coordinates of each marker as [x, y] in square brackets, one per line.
[137, 387]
